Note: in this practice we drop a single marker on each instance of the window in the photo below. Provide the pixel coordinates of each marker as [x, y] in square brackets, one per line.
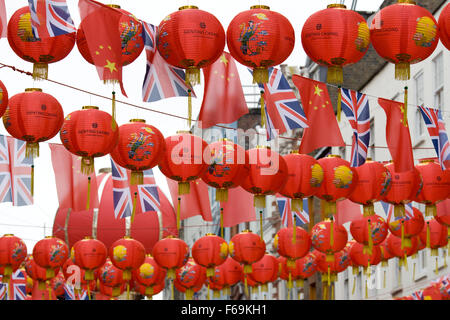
[438, 82]
[421, 265]
[418, 82]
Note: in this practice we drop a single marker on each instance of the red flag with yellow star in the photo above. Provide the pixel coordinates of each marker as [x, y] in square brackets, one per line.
[397, 135]
[100, 24]
[224, 100]
[323, 128]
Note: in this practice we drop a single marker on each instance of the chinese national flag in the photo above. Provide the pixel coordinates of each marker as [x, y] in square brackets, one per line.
[397, 135]
[71, 184]
[223, 100]
[239, 207]
[3, 20]
[323, 130]
[101, 27]
[193, 204]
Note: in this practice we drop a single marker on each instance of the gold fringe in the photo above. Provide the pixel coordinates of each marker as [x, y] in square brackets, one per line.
[222, 195]
[210, 272]
[248, 268]
[137, 178]
[32, 150]
[399, 210]
[335, 75]
[216, 294]
[329, 258]
[430, 210]
[192, 76]
[184, 188]
[260, 75]
[113, 113]
[190, 293]
[339, 108]
[368, 210]
[149, 291]
[89, 275]
[88, 196]
[170, 273]
[49, 273]
[259, 201]
[402, 71]
[32, 180]
[190, 108]
[87, 165]
[40, 71]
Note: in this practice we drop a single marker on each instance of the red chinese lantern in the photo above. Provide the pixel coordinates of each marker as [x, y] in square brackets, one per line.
[330, 269]
[339, 181]
[40, 52]
[268, 174]
[374, 181]
[407, 227]
[404, 33]
[157, 288]
[38, 273]
[434, 235]
[248, 282]
[183, 160]
[228, 166]
[362, 258]
[292, 250]
[191, 39]
[183, 289]
[259, 39]
[444, 219]
[335, 37]
[89, 254]
[385, 253]
[210, 251]
[3, 99]
[50, 253]
[127, 254]
[432, 293]
[57, 284]
[436, 185]
[405, 187]
[171, 253]
[305, 268]
[305, 176]
[190, 276]
[265, 270]
[247, 248]
[444, 26]
[230, 272]
[216, 286]
[369, 231]
[149, 276]
[33, 116]
[400, 251]
[88, 133]
[111, 279]
[13, 252]
[131, 38]
[139, 148]
[329, 238]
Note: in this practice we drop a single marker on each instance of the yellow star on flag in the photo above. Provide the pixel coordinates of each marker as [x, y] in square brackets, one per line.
[223, 59]
[317, 90]
[111, 66]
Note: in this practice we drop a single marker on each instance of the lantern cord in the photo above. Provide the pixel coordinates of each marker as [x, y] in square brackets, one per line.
[32, 180]
[263, 112]
[354, 286]
[178, 213]
[428, 244]
[88, 197]
[403, 235]
[128, 290]
[133, 213]
[172, 289]
[113, 120]
[261, 224]
[189, 107]
[294, 229]
[10, 292]
[89, 290]
[207, 293]
[49, 291]
[331, 233]
[405, 106]
[339, 108]
[370, 240]
[221, 223]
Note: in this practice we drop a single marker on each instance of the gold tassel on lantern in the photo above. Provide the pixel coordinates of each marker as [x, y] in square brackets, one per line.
[134, 207]
[88, 196]
[402, 70]
[370, 240]
[430, 210]
[183, 188]
[331, 232]
[335, 74]
[428, 244]
[222, 195]
[339, 108]
[128, 290]
[246, 286]
[221, 223]
[32, 180]
[261, 224]
[137, 178]
[260, 75]
[399, 210]
[259, 201]
[189, 108]
[263, 112]
[405, 108]
[113, 113]
[403, 235]
[149, 292]
[87, 165]
[32, 150]
[192, 76]
[178, 214]
[40, 71]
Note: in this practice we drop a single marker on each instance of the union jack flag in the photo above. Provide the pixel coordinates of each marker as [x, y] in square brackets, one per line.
[20, 173]
[50, 18]
[417, 295]
[161, 79]
[18, 284]
[355, 106]
[70, 294]
[123, 192]
[282, 108]
[286, 213]
[389, 210]
[5, 173]
[436, 129]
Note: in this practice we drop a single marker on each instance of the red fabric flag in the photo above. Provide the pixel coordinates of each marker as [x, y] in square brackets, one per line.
[3, 20]
[320, 114]
[101, 27]
[223, 101]
[47, 294]
[195, 203]
[346, 211]
[239, 207]
[397, 135]
[71, 184]
[443, 208]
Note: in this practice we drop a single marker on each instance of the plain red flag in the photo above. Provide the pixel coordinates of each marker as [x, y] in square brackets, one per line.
[224, 100]
[323, 130]
[101, 28]
[443, 208]
[346, 211]
[397, 135]
[195, 203]
[3, 20]
[239, 207]
[71, 184]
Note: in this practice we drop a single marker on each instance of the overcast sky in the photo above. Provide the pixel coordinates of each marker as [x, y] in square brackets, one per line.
[29, 222]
